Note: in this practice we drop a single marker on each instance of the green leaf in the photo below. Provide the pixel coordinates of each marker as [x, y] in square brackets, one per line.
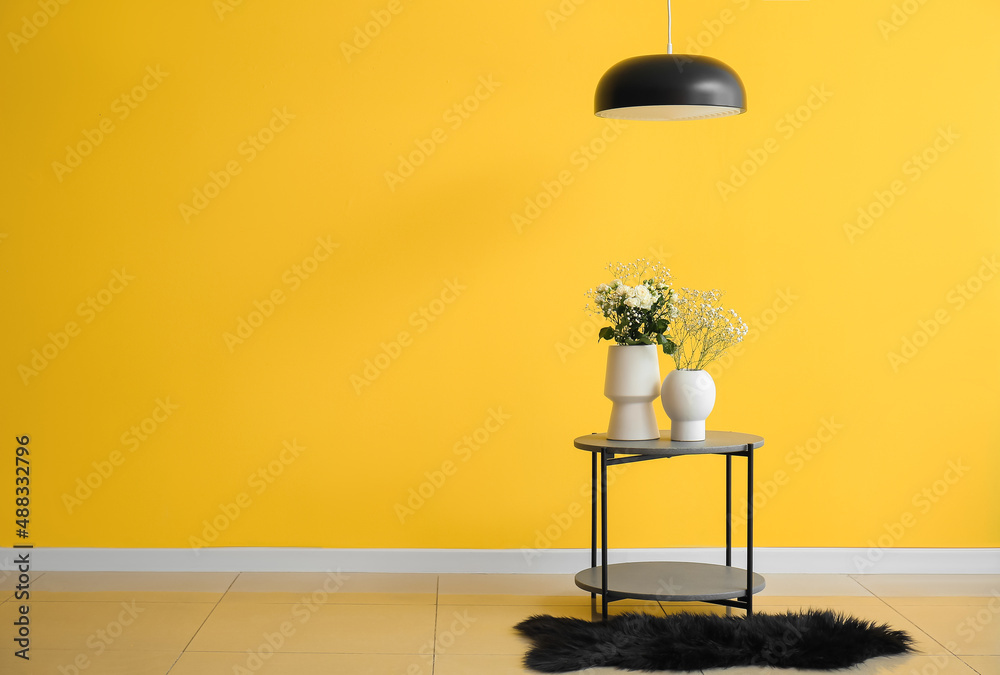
[669, 347]
[607, 333]
[662, 325]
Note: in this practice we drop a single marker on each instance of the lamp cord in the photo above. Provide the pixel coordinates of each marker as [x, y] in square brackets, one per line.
[670, 43]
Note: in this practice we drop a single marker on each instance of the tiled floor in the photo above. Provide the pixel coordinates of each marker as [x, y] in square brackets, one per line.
[426, 624]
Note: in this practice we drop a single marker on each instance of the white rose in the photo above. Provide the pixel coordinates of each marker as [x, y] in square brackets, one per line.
[644, 297]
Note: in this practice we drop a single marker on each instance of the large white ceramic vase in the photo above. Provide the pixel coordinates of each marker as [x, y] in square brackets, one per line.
[632, 382]
[688, 397]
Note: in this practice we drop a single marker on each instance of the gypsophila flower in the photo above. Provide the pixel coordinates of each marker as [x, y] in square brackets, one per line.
[639, 307]
[702, 329]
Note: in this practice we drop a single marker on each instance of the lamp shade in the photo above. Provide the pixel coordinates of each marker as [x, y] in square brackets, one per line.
[669, 87]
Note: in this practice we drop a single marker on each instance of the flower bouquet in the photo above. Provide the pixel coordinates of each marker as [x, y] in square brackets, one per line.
[702, 331]
[638, 303]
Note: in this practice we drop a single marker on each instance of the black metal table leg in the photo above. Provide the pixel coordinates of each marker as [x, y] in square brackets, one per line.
[749, 530]
[604, 535]
[729, 510]
[593, 513]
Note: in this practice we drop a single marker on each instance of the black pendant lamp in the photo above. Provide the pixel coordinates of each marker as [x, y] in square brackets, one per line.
[669, 87]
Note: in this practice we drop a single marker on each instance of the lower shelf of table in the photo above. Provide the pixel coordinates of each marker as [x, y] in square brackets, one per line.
[670, 581]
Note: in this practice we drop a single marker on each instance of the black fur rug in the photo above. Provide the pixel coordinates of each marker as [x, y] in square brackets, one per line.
[814, 640]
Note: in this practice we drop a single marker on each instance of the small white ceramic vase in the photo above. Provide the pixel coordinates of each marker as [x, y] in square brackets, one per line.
[632, 382]
[688, 397]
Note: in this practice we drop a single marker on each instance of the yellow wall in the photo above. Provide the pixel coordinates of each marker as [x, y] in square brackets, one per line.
[266, 430]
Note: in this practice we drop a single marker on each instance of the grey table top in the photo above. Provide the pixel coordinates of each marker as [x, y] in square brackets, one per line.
[715, 443]
[671, 581]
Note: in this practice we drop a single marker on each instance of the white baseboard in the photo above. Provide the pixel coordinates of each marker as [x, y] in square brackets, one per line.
[500, 561]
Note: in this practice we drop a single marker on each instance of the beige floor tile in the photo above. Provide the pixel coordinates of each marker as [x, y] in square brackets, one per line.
[670, 608]
[94, 627]
[334, 587]
[388, 623]
[984, 665]
[924, 643]
[347, 582]
[508, 584]
[499, 664]
[939, 600]
[929, 585]
[164, 582]
[969, 601]
[811, 585]
[8, 579]
[223, 663]
[964, 629]
[581, 600]
[318, 597]
[888, 665]
[516, 589]
[915, 664]
[62, 661]
[816, 600]
[144, 597]
[489, 629]
[324, 628]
